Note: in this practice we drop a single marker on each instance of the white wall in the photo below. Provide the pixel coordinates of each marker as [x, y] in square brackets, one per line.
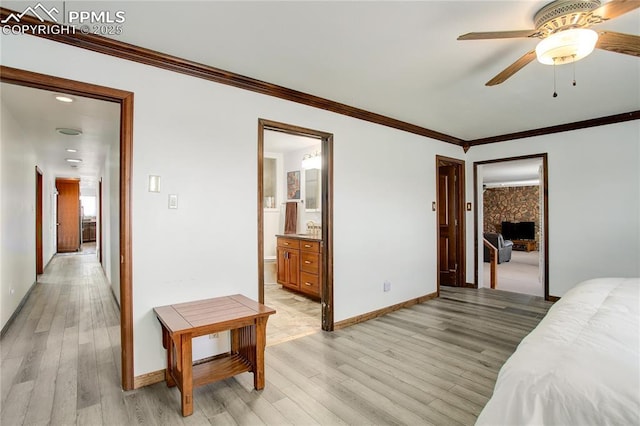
[200, 137]
[110, 228]
[17, 210]
[594, 201]
[49, 217]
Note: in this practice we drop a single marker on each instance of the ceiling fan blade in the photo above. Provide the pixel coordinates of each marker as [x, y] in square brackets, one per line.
[499, 34]
[615, 8]
[620, 43]
[512, 69]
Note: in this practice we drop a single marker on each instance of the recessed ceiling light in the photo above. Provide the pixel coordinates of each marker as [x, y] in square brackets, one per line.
[68, 132]
[74, 160]
[71, 150]
[64, 98]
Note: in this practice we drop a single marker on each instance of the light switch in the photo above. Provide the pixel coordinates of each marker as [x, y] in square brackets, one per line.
[173, 201]
[154, 183]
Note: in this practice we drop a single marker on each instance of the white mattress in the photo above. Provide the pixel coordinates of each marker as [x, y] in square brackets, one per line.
[579, 366]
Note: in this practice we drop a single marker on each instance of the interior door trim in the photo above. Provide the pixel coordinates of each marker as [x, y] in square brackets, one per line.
[39, 210]
[545, 229]
[125, 100]
[327, 211]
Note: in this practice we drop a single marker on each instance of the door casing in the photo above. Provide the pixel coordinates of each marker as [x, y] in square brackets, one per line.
[326, 140]
[545, 210]
[125, 100]
[39, 203]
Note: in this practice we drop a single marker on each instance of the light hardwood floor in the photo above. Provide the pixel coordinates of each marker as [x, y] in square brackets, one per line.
[434, 363]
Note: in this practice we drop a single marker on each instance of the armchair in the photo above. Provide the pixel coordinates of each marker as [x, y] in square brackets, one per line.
[504, 247]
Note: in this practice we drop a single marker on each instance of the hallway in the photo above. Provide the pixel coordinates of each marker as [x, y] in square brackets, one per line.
[61, 355]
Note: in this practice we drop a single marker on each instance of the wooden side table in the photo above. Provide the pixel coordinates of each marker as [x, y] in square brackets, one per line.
[245, 318]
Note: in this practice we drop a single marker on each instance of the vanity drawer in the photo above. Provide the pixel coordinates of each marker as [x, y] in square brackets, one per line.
[310, 283]
[307, 245]
[292, 243]
[309, 262]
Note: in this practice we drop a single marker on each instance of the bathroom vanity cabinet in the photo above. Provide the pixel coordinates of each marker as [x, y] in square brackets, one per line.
[300, 263]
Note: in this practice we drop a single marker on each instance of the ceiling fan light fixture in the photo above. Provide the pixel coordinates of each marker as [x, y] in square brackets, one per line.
[566, 46]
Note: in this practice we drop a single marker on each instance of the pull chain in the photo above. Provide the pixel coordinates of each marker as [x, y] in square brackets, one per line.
[574, 70]
[555, 94]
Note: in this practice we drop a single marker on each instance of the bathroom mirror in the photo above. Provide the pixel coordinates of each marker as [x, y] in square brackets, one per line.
[312, 190]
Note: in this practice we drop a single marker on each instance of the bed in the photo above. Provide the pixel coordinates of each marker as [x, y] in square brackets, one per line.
[579, 366]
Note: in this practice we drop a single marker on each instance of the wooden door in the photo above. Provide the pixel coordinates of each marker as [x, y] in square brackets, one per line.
[447, 222]
[450, 222]
[99, 224]
[68, 215]
[39, 256]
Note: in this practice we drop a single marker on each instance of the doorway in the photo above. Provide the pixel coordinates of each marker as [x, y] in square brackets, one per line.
[512, 210]
[317, 218]
[125, 100]
[39, 207]
[68, 214]
[450, 212]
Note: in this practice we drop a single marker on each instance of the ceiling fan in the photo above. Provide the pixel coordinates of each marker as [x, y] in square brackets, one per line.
[563, 26]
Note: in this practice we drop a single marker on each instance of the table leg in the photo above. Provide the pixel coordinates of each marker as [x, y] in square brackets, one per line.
[261, 339]
[187, 375]
[168, 345]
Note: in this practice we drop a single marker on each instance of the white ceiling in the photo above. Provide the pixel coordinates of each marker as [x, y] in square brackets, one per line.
[39, 114]
[400, 59]
[279, 142]
[512, 173]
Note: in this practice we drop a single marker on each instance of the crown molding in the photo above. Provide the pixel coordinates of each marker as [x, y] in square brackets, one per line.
[154, 58]
[601, 121]
[157, 59]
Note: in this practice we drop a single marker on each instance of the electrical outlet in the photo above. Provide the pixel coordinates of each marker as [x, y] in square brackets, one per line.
[386, 286]
[213, 336]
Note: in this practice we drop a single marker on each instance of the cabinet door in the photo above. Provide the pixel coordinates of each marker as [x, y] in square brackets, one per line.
[294, 268]
[288, 267]
[281, 260]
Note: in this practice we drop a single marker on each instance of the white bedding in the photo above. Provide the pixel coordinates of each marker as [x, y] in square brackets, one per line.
[579, 366]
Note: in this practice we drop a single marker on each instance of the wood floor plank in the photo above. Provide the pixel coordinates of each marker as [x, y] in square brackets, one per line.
[316, 392]
[257, 402]
[241, 413]
[15, 407]
[65, 394]
[138, 411]
[8, 371]
[293, 413]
